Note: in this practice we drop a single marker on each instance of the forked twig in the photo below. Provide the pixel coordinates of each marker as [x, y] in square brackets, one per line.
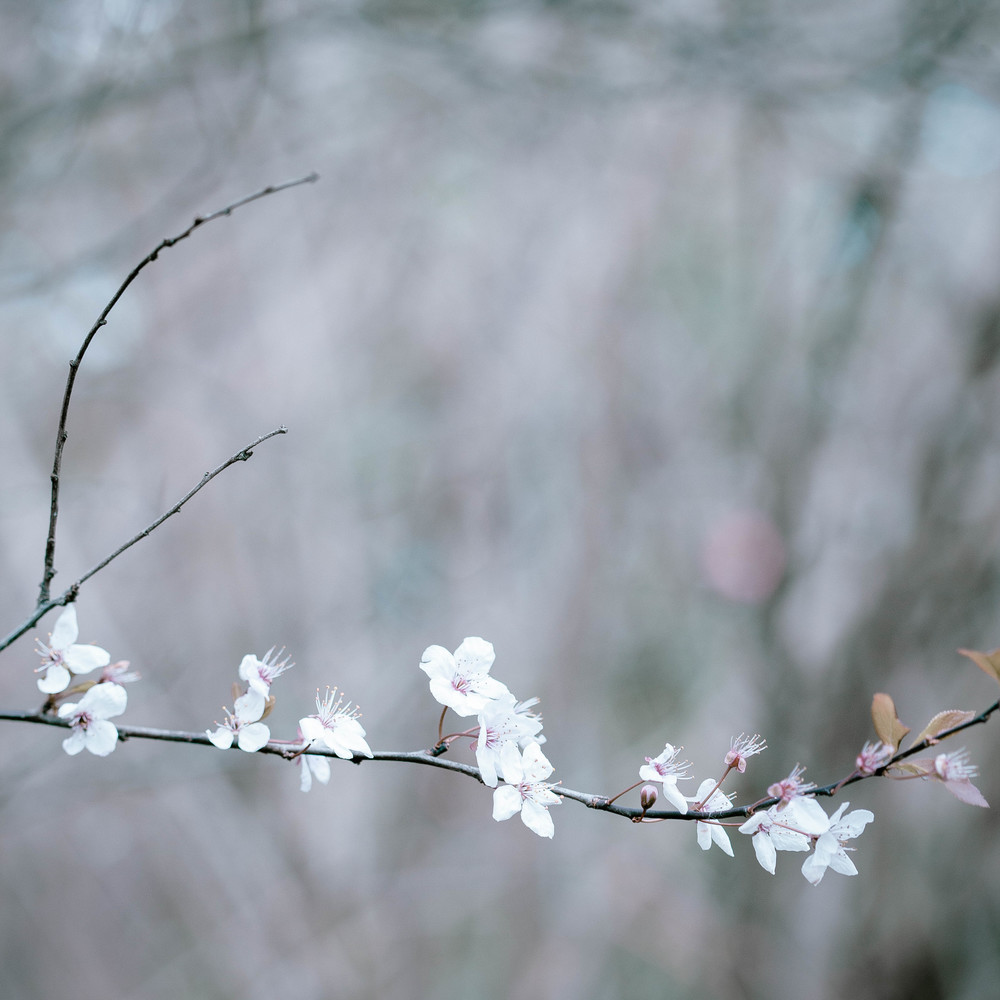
[74, 366]
[70, 593]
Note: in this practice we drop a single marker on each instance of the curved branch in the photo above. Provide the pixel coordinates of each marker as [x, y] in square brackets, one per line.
[426, 757]
[70, 593]
[61, 434]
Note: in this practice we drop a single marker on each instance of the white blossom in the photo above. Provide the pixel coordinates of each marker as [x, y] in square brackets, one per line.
[118, 673]
[742, 748]
[242, 725]
[527, 792]
[260, 673]
[335, 726]
[64, 656]
[667, 769]
[957, 772]
[312, 766]
[774, 831]
[502, 729]
[790, 788]
[830, 851]
[88, 720]
[712, 833]
[461, 680]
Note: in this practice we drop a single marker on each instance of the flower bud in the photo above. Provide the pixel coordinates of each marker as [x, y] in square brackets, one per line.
[648, 797]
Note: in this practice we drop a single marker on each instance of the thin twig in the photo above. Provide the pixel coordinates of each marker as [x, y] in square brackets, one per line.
[70, 593]
[61, 434]
[426, 757]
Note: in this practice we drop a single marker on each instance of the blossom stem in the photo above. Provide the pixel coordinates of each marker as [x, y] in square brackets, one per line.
[718, 785]
[444, 711]
[626, 790]
[840, 784]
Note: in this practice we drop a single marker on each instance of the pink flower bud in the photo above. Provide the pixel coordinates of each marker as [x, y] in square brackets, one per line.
[648, 797]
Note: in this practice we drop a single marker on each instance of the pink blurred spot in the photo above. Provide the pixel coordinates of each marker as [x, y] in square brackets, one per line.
[743, 557]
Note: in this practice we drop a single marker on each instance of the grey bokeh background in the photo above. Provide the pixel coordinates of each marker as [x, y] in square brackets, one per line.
[656, 343]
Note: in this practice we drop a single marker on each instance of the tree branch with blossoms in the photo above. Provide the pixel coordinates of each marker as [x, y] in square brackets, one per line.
[507, 739]
[506, 735]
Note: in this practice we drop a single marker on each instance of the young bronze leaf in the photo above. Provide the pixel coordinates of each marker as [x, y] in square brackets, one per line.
[989, 663]
[887, 725]
[942, 721]
[913, 768]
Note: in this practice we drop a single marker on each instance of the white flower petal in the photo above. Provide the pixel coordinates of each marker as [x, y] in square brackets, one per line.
[305, 776]
[543, 795]
[510, 763]
[764, 849]
[330, 741]
[675, 796]
[492, 688]
[437, 662]
[506, 802]
[312, 729]
[464, 703]
[486, 759]
[537, 819]
[84, 658]
[351, 734]
[835, 818]
[474, 656]
[251, 738]
[104, 701]
[319, 766]
[813, 869]
[56, 679]
[842, 864]
[65, 630]
[721, 838]
[222, 737]
[788, 840]
[75, 742]
[249, 667]
[826, 848]
[102, 737]
[249, 707]
[805, 814]
[854, 823]
[534, 764]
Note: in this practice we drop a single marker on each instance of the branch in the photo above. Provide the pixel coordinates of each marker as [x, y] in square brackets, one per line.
[61, 434]
[428, 758]
[70, 593]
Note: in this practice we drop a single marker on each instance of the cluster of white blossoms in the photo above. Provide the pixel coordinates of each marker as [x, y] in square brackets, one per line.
[63, 659]
[796, 822]
[334, 726]
[243, 725]
[508, 739]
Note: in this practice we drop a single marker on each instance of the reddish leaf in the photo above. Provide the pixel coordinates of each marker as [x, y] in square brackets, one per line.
[942, 721]
[967, 792]
[989, 663]
[887, 725]
[914, 768]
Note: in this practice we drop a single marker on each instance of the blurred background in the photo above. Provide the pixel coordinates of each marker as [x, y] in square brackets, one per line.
[656, 342]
